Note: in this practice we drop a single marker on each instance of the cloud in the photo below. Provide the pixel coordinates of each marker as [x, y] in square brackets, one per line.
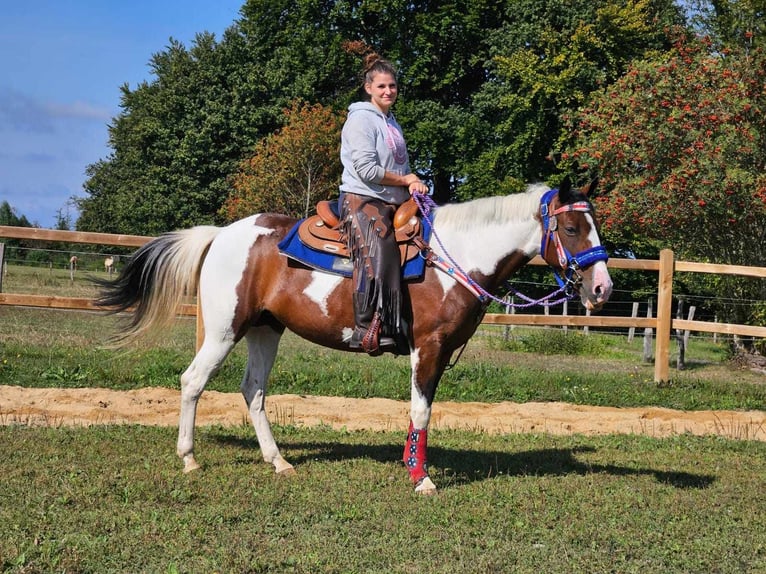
[23, 113]
[78, 110]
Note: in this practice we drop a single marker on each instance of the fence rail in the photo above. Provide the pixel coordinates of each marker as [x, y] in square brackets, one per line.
[662, 324]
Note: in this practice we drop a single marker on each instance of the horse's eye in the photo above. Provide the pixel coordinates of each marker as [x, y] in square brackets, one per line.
[570, 230]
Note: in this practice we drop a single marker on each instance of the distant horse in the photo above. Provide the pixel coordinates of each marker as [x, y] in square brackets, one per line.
[109, 265]
[72, 266]
[247, 289]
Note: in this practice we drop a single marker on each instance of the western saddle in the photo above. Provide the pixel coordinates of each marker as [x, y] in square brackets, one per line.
[322, 231]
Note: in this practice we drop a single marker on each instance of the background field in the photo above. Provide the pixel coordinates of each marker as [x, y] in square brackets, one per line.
[112, 498]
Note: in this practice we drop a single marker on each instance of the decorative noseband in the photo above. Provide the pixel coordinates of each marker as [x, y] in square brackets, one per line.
[568, 276]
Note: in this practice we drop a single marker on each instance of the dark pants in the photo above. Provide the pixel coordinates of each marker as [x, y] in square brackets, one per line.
[367, 225]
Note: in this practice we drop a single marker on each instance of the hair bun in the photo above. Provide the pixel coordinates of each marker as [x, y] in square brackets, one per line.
[370, 60]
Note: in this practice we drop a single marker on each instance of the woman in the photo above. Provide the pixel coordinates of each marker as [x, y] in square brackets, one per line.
[376, 179]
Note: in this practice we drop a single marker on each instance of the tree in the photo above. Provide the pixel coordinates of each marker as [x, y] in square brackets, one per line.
[547, 59]
[291, 169]
[730, 23]
[8, 216]
[175, 144]
[483, 85]
[679, 146]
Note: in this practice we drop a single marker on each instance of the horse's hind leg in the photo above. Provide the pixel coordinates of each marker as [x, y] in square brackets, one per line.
[193, 381]
[262, 344]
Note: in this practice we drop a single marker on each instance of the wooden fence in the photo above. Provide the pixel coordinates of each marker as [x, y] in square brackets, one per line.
[662, 324]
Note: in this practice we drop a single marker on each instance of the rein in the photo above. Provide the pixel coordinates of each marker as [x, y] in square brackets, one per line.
[571, 264]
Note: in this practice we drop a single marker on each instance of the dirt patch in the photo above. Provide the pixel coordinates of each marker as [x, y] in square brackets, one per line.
[158, 406]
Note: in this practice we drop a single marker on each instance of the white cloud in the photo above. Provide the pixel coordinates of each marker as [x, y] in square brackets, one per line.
[23, 113]
[79, 110]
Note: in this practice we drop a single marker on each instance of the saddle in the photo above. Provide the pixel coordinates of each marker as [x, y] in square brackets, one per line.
[321, 232]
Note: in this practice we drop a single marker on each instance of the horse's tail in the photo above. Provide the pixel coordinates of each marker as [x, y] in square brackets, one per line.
[155, 281]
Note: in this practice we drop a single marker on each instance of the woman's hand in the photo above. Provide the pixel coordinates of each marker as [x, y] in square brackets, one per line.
[415, 185]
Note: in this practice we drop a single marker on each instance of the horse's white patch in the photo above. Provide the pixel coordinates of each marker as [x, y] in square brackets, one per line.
[593, 234]
[347, 332]
[321, 287]
[481, 249]
[223, 268]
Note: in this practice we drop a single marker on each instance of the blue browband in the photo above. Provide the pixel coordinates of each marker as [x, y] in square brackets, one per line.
[568, 275]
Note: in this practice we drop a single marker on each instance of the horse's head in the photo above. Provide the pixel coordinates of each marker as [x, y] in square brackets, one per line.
[571, 244]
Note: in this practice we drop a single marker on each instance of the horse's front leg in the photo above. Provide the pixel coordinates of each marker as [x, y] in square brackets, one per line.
[424, 381]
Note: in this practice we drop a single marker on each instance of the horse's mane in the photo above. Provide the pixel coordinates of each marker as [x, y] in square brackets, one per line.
[490, 210]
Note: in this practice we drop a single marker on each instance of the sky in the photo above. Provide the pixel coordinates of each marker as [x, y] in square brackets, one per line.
[62, 63]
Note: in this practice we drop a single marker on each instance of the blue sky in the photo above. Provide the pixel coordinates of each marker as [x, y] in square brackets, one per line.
[62, 64]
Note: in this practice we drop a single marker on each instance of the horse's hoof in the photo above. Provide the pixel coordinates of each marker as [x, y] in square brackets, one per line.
[190, 465]
[426, 487]
[283, 468]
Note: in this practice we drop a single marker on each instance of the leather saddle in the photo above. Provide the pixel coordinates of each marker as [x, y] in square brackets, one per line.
[321, 232]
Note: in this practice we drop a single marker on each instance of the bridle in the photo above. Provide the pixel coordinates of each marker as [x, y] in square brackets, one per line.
[568, 273]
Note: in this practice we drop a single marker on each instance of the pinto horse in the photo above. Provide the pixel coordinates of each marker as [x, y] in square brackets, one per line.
[247, 289]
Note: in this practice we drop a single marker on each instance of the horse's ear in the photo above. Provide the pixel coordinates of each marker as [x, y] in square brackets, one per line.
[565, 190]
[589, 189]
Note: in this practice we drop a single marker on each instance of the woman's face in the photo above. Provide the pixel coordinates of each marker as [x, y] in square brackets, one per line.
[382, 90]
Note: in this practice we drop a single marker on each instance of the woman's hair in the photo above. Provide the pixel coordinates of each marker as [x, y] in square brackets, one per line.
[374, 64]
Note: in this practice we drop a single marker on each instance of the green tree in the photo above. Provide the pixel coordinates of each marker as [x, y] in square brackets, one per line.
[291, 169]
[548, 58]
[730, 23]
[175, 145]
[678, 144]
[483, 85]
[8, 216]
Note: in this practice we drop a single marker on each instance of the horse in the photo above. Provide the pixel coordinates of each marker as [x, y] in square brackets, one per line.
[248, 290]
[109, 265]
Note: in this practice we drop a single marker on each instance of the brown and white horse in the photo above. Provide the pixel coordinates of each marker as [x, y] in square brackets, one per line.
[249, 290]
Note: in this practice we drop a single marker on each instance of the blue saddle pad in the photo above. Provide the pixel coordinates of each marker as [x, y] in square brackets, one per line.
[293, 247]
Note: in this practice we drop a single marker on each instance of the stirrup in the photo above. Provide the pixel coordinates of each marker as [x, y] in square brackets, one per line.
[371, 339]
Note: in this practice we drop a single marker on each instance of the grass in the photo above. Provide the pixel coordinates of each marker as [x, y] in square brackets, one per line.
[53, 348]
[112, 499]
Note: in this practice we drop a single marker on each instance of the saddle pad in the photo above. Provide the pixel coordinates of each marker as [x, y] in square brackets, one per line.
[294, 248]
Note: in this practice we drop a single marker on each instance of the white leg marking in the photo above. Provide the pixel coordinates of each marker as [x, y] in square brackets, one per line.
[420, 410]
[193, 381]
[262, 345]
[426, 487]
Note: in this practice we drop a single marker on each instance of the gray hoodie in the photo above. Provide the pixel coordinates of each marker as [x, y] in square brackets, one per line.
[372, 144]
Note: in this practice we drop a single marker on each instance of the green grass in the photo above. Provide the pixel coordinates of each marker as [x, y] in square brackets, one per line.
[50, 348]
[113, 499]
[51, 281]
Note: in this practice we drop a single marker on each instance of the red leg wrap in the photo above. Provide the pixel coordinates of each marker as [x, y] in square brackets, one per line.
[415, 453]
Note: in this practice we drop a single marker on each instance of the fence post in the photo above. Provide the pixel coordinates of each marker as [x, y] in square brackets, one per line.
[648, 332]
[690, 317]
[681, 360]
[2, 265]
[565, 313]
[633, 315]
[509, 310]
[664, 316]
